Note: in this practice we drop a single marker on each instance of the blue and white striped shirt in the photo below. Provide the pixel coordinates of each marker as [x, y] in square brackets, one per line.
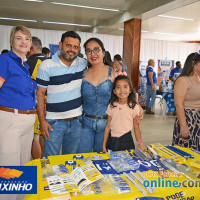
[63, 85]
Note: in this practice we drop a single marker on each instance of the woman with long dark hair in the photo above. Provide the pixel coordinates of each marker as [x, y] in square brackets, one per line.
[187, 102]
[96, 92]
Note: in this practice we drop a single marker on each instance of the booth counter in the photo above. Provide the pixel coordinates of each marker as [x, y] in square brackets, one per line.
[147, 167]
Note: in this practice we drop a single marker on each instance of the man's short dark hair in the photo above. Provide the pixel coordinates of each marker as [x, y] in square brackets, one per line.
[118, 57]
[36, 43]
[45, 50]
[4, 51]
[178, 62]
[70, 34]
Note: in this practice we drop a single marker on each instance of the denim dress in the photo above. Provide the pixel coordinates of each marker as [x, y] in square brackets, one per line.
[95, 103]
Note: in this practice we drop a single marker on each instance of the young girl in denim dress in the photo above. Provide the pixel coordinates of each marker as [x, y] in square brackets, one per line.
[122, 112]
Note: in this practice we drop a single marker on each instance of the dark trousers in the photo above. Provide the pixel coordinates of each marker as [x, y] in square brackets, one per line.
[122, 143]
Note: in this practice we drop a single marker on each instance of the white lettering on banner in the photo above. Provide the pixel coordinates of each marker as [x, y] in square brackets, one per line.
[165, 63]
[15, 187]
[5, 187]
[179, 196]
[29, 186]
[107, 168]
[145, 163]
[99, 168]
[21, 186]
[154, 163]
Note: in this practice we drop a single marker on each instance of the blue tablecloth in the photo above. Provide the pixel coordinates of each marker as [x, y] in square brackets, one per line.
[169, 98]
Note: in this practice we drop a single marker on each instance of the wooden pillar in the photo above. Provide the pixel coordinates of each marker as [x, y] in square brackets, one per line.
[131, 49]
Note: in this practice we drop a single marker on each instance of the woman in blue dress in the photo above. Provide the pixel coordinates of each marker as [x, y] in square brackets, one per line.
[96, 92]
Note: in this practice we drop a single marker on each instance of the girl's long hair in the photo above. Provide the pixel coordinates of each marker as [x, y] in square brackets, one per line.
[132, 96]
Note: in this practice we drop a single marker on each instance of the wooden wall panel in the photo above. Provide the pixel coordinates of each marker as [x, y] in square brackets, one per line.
[131, 49]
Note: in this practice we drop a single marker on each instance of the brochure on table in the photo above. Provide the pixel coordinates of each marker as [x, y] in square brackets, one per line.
[79, 178]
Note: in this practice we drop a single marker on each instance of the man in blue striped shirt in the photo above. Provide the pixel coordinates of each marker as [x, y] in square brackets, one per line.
[61, 78]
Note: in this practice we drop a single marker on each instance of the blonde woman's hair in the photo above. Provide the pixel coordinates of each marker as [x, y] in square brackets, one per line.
[150, 61]
[20, 28]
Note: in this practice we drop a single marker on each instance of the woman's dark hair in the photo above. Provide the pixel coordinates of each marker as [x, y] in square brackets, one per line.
[96, 40]
[190, 62]
[101, 45]
[107, 57]
[132, 96]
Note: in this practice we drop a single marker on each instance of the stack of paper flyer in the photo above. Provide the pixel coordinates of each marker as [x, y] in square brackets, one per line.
[79, 178]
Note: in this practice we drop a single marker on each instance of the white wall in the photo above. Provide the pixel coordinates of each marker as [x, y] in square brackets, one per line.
[170, 50]
[113, 44]
[155, 49]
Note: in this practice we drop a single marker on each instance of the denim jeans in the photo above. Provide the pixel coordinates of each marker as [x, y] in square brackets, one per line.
[151, 96]
[67, 134]
[92, 135]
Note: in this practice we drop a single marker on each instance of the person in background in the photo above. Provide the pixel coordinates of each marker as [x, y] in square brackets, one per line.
[118, 58]
[46, 52]
[35, 57]
[122, 112]
[175, 72]
[187, 101]
[17, 103]
[4, 51]
[151, 86]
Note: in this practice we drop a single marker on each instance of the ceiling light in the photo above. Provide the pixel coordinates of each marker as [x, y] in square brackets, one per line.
[102, 26]
[82, 6]
[35, 1]
[144, 31]
[63, 23]
[15, 19]
[173, 17]
[162, 33]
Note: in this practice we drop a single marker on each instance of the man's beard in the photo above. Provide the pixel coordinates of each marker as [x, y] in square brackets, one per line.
[64, 55]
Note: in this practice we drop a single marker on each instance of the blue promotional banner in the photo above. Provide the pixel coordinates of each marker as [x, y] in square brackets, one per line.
[18, 180]
[169, 98]
[54, 48]
[142, 83]
[164, 69]
[105, 168]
